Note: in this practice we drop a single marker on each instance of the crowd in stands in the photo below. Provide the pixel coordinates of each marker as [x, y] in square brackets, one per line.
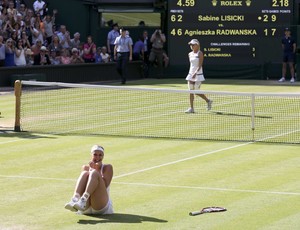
[29, 36]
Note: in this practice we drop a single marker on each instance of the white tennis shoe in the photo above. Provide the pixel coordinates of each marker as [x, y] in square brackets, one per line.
[281, 79]
[70, 205]
[209, 104]
[190, 110]
[292, 80]
[81, 204]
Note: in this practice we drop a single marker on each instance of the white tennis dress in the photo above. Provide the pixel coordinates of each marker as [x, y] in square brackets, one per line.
[194, 65]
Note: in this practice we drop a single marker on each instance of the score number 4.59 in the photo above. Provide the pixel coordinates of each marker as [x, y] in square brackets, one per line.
[186, 3]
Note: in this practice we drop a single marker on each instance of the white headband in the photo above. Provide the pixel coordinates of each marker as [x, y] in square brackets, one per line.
[97, 147]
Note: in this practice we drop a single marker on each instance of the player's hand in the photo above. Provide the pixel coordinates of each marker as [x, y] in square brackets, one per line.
[92, 164]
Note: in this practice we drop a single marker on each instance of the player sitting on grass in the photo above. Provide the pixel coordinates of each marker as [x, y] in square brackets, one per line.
[91, 195]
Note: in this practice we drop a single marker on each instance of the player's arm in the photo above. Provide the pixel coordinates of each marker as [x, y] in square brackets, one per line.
[107, 174]
[201, 57]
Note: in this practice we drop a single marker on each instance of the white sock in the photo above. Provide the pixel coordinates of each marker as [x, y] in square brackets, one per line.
[76, 197]
[86, 195]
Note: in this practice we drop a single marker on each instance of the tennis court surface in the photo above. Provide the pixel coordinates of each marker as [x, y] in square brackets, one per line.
[157, 180]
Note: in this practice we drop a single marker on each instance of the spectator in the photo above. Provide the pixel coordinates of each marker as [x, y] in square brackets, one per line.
[11, 9]
[37, 19]
[111, 37]
[29, 57]
[104, 55]
[9, 52]
[25, 39]
[65, 58]
[2, 52]
[2, 18]
[75, 57]
[37, 33]
[22, 10]
[20, 20]
[11, 18]
[89, 49]
[147, 45]
[158, 39]
[147, 48]
[80, 49]
[5, 3]
[30, 17]
[14, 36]
[75, 41]
[19, 58]
[37, 47]
[48, 25]
[17, 30]
[138, 49]
[64, 37]
[8, 28]
[55, 44]
[42, 58]
[54, 59]
[98, 57]
[142, 23]
[28, 30]
[39, 6]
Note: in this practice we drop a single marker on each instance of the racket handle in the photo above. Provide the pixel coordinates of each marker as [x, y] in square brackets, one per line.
[195, 213]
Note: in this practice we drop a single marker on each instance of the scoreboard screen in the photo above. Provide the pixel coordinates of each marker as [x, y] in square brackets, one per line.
[231, 32]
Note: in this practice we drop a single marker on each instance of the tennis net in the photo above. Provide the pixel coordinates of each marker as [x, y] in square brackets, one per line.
[63, 108]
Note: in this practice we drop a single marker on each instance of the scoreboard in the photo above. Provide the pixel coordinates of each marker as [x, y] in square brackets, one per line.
[231, 32]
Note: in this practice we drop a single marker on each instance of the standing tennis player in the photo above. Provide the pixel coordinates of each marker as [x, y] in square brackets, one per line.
[91, 195]
[195, 75]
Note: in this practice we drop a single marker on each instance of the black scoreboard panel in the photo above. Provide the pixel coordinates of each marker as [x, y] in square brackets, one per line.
[230, 31]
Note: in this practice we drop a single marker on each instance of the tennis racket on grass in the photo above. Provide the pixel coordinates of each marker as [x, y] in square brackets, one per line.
[208, 210]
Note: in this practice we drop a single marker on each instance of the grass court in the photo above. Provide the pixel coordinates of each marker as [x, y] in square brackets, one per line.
[157, 181]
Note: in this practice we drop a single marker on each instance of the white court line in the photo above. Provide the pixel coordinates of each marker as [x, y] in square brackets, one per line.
[11, 141]
[199, 155]
[181, 160]
[210, 188]
[37, 178]
[164, 186]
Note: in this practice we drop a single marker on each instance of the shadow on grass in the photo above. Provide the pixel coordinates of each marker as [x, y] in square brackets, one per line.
[120, 218]
[239, 115]
[23, 135]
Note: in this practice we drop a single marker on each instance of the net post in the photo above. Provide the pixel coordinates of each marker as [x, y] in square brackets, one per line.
[18, 90]
[253, 115]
